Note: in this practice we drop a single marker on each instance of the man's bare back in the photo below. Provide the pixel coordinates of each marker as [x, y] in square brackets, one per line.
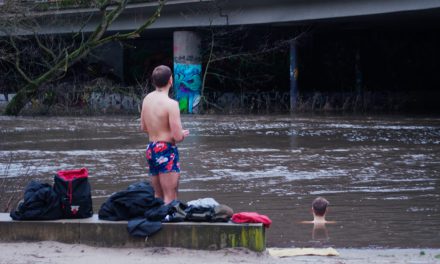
[160, 119]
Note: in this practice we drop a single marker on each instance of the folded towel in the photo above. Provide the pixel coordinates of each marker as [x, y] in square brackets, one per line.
[291, 252]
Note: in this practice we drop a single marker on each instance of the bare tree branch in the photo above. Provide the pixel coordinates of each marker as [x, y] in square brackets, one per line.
[17, 62]
[71, 55]
[44, 48]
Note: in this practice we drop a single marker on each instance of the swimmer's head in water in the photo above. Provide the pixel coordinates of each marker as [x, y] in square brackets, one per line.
[319, 206]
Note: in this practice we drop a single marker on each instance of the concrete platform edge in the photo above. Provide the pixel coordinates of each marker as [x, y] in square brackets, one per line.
[95, 232]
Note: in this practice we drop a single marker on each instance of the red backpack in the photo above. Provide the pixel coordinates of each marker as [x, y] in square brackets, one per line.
[75, 193]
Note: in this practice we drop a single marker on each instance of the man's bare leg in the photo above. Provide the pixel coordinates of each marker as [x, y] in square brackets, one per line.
[155, 182]
[169, 182]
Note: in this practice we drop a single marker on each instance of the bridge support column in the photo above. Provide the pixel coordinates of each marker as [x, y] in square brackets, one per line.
[187, 70]
[293, 75]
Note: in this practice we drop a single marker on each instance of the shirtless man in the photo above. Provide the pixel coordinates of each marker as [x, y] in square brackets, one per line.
[160, 119]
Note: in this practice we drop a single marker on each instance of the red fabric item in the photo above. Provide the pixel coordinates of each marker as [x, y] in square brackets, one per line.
[69, 175]
[251, 217]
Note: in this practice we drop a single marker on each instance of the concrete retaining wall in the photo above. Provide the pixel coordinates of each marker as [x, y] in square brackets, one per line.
[95, 232]
[113, 101]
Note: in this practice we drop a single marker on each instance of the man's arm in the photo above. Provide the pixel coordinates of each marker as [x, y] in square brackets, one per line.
[175, 123]
[143, 116]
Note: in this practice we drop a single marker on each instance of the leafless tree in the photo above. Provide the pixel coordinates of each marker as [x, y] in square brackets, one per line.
[50, 55]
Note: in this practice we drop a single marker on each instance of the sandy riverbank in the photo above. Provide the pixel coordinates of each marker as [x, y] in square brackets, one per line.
[54, 252]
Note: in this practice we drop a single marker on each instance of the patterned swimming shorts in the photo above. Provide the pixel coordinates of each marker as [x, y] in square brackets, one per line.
[162, 157]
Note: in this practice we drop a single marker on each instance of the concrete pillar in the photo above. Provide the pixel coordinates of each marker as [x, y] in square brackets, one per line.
[293, 75]
[187, 70]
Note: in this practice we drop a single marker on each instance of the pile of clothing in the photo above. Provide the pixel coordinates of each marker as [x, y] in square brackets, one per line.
[146, 213]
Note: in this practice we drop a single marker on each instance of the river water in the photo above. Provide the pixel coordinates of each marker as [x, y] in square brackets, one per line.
[381, 174]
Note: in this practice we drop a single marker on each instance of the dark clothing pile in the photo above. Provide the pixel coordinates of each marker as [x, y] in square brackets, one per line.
[207, 210]
[198, 213]
[141, 227]
[130, 203]
[40, 202]
[145, 213]
[138, 205]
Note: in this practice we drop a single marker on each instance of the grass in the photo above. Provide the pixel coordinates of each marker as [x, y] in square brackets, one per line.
[11, 187]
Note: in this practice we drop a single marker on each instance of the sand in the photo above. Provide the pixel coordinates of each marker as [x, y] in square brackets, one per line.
[54, 252]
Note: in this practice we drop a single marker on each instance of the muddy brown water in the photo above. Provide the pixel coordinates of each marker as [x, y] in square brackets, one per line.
[380, 173]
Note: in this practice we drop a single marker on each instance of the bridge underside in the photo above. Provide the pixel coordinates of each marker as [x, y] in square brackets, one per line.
[383, 62]
[192, 13]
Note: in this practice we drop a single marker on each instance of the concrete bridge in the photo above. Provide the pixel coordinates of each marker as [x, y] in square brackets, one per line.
[201, 13]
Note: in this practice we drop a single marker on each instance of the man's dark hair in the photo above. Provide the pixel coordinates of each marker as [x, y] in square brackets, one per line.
[161, 75]
[319, 206]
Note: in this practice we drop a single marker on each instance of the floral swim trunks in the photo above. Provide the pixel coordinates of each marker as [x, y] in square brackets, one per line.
[162, 157]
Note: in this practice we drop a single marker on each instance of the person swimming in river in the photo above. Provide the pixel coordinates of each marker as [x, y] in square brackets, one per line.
[319, 210]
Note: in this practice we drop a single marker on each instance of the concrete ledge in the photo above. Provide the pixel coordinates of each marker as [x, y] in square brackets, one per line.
[95, 232]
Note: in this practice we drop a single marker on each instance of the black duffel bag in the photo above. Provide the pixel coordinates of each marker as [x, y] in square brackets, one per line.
[40, 202]
[74, 191]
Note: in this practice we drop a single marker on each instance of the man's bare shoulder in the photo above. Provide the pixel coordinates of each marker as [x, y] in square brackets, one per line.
[160, 103]
[171, 103]
[317, 222]
[149, 96]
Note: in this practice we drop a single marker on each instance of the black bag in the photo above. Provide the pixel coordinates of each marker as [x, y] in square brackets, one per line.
[74, 190]
[40, 202]
[199, 214]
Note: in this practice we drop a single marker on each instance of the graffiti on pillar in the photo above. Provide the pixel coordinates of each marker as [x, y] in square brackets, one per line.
[187, 86]
[186, 59]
